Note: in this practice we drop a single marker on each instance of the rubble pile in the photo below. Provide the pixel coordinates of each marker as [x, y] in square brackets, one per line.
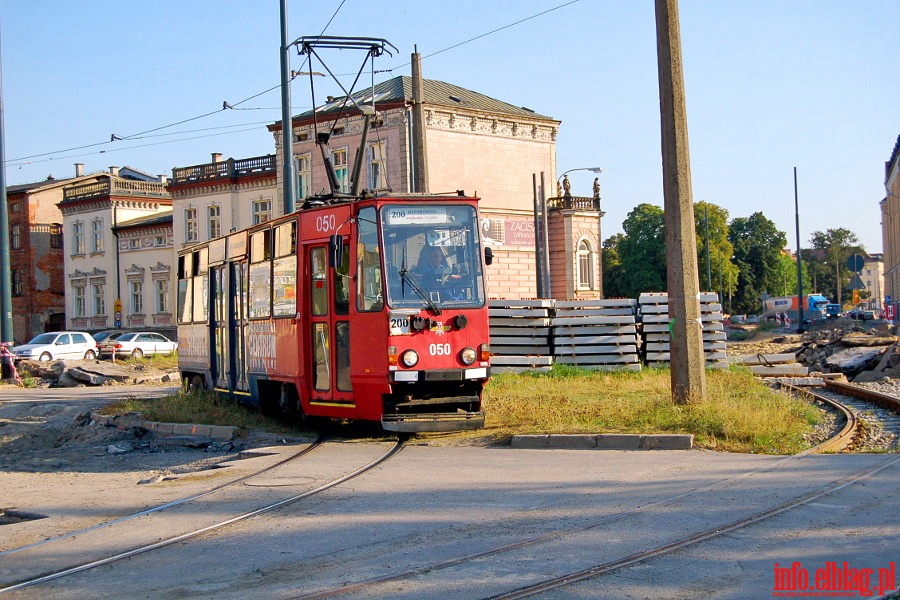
[859, 351]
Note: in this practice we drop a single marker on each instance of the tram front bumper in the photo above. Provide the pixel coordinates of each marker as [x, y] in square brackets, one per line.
[424, 422]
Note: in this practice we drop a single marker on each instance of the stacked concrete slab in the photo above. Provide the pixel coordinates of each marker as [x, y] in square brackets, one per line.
[654, 317]
[596, 334]
[520, 335]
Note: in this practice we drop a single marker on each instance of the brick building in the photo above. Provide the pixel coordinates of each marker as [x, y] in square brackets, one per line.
[36, 256]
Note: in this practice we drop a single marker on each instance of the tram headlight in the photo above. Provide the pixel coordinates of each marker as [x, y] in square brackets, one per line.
[467, 356]
[410, 358]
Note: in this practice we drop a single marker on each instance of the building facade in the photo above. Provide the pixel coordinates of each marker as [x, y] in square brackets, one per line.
[97, 273]
[890, 226]
[221, 196]
[473, 143]
[36, 256]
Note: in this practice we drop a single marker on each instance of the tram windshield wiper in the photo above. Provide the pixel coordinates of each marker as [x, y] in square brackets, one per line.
[407, 277]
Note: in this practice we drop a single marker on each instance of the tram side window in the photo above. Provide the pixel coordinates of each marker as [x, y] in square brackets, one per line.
[185, 288]
[369, 296]
[260, 283]
[318, 287]
[284, 278]
[200, 260]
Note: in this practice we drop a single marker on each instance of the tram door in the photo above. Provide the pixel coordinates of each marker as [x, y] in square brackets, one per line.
[330, 327]
[220, 323]
[237, 316]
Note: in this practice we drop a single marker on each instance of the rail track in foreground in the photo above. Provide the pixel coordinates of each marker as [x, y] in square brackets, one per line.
[50, 576]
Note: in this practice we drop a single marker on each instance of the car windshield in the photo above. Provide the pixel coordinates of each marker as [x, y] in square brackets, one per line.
[44, 338]
[432, 256]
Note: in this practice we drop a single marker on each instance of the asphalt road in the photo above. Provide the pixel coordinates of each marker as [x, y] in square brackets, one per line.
[463, 522]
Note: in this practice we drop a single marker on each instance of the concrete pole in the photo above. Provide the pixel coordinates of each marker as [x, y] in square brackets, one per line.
[287, 123]
[6, 320]
[420, 154]
[686, 344]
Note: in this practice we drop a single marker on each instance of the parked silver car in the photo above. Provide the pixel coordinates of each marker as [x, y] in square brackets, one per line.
[56, 345]
[138, 344]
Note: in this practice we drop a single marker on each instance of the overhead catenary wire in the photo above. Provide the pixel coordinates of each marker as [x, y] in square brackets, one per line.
[234, 106]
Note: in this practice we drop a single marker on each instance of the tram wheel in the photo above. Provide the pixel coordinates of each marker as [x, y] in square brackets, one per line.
[196, 384]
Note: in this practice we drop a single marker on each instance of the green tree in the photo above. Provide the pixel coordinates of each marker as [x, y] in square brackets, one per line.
[718, 270]
[613, 272]
[758, 246]
[642, 251]
[836, 245]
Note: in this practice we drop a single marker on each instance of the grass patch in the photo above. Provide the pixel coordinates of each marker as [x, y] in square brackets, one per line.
[207, 408]
[163, 362]
[740, 414]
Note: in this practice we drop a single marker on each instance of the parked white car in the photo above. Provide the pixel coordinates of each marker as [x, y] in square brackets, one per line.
[56, 345]
[137, 344]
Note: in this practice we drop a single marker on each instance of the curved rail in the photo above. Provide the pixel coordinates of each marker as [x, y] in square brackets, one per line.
[844, 437]
[197, 532]
[316, 444]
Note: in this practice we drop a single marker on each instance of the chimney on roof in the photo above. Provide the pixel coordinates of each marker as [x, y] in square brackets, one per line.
[163, 179]
[114, 171]
[79, 169]
[217, 157]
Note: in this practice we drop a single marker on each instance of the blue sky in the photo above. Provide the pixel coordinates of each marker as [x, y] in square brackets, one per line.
[771, 85]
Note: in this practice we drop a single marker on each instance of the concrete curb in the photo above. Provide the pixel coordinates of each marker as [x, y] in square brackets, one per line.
[216, 433]
[605, 441]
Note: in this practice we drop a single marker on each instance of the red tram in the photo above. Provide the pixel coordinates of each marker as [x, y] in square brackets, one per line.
[367, 308]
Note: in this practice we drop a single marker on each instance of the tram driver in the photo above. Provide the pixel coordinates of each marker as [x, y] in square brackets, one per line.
[432, 266]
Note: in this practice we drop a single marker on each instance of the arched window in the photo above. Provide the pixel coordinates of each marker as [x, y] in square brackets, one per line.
[585, 265]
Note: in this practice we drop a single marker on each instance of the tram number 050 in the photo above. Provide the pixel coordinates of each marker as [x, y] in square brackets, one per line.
[439, 349]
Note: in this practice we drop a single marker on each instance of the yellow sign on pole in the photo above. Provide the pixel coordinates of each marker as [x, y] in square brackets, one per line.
[118, 305]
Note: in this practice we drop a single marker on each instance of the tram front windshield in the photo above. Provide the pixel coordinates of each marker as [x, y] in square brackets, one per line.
[432, 256]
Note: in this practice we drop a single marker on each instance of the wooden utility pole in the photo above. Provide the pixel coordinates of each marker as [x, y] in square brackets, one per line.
[686, 343]
[420, 154]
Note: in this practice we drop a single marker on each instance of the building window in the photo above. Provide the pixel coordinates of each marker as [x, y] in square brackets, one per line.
[377, 170]
[303, 177]
[137, 297]
[14, 207]
[162, 295]
[160, 241]
[18, 285]
[262, 210]
[134, 244]
[56, 238]
[78, 303]
[78, 238]
[190, 225]
[585, 265]
[214, 218]
[339, 161]
[15, 237]
[99, 290]
[97, 236]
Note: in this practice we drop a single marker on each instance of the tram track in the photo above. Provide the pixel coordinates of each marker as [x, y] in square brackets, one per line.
[72, 534]
[872, 419]
[57, 574]
[841, 439]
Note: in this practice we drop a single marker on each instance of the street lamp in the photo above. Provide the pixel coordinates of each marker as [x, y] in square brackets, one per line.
[591, 169]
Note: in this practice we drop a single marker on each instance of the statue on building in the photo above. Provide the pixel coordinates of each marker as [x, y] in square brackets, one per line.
[567, 187]
[558, 190]
[596, 188]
